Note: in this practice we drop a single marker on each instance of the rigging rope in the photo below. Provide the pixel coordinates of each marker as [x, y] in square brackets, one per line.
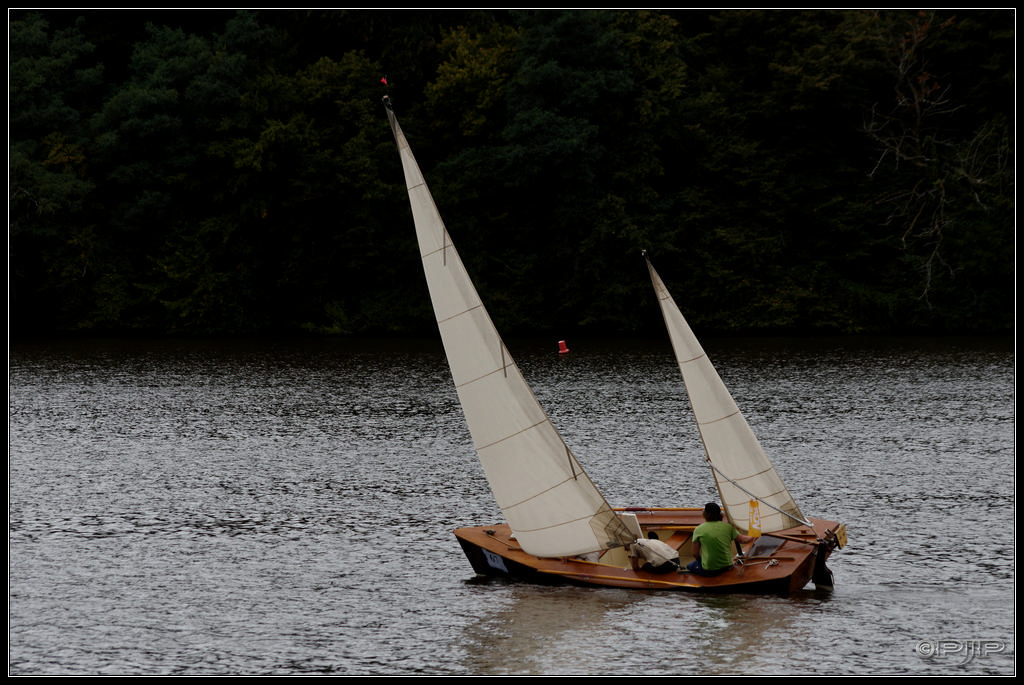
[768, 504]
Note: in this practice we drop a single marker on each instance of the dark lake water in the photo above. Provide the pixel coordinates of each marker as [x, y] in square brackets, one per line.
[286, 509]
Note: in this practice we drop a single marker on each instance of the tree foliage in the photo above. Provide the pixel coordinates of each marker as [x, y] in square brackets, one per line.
[231, 173]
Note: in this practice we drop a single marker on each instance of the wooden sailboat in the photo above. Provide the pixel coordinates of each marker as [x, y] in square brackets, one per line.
[558, 527]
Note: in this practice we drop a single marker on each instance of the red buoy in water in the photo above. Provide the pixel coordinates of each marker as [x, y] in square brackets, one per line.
[562, 349]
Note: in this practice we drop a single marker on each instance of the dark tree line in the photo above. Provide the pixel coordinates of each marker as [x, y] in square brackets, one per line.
[232, 173]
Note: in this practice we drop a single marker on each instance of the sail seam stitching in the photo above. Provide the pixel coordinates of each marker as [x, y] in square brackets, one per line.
[728, 416]
[511, 435]
[442, 249]
[457, 315]
[544, 492]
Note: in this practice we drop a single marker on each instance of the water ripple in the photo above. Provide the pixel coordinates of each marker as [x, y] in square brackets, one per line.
[286, 509]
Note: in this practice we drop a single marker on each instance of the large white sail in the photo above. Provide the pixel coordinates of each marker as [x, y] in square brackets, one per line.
[741, 467]
[549, 502]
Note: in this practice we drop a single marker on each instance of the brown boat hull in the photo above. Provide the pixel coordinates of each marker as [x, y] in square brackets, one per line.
[778, 563]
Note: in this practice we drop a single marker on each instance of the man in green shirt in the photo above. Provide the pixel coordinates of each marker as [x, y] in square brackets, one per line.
[712, 543]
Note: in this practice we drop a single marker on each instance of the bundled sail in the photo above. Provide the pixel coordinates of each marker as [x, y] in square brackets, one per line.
[551, 505]
[741, 468]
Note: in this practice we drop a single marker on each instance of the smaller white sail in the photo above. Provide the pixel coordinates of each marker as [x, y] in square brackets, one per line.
[741, 468]
[550, 504]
